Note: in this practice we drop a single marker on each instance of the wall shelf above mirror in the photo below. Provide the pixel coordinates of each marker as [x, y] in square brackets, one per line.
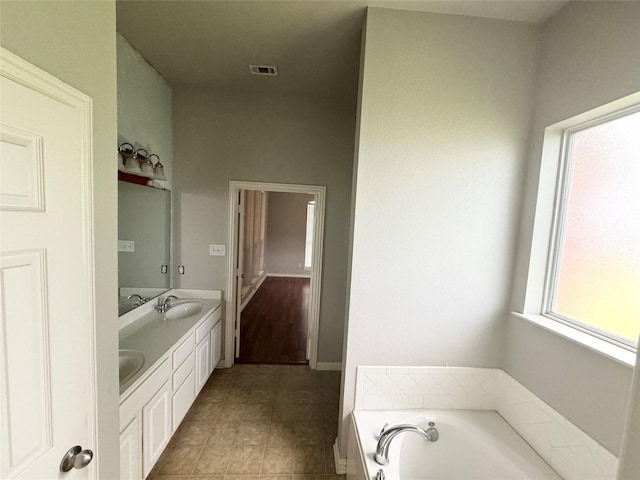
[143, 243]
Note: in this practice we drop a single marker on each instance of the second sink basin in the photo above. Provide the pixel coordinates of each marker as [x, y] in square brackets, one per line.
[184, 308]
[131, 361]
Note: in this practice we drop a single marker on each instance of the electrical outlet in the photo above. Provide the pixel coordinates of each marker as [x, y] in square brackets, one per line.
[126, 246]
[217, 250]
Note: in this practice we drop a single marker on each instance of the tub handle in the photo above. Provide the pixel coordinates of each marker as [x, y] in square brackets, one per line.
[380, 475]
[379, 435]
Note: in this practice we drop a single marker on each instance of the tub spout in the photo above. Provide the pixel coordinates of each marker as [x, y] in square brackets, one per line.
[382, 450]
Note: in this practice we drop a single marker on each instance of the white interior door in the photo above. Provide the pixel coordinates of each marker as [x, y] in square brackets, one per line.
[47, 399]
[239, 270]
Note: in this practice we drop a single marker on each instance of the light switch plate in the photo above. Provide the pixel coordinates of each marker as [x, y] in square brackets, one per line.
[126, 246]
[217, 250]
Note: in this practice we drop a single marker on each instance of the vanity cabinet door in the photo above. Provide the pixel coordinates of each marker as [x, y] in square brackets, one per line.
[156, 425]
[203, 362]
[183, 399]
[216, 345]
[131, 451]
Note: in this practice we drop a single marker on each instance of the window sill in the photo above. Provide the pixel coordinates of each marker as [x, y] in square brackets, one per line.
[618, 354]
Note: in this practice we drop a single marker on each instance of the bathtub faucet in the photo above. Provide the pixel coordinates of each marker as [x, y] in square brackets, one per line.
[384, 440]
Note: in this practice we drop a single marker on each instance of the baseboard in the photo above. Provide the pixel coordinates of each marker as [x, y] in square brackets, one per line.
[341, 463]
[252, 292]
[332, 366]
[290, 275]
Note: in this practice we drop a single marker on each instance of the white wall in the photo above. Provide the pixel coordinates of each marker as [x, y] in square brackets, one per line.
[589, 58]
[222, 136]
[75, 41]
[630, 458]
[444, 122]
[286, 233]
[144, 107]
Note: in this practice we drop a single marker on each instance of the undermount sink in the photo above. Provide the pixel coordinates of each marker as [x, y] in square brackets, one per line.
[131, 361]
[184, 308]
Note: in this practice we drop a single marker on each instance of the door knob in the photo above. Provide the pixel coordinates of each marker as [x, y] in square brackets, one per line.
[75, 458]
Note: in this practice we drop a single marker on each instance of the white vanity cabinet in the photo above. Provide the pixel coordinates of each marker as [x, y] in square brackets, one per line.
[131, 450]
[153, 408]
[216, 345]
[156, 427]
[203, 362]
[184, 380]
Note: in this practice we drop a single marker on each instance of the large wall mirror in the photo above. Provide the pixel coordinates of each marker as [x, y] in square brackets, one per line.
[143, 243]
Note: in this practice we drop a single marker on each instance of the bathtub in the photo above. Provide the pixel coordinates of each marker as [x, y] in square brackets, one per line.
[473, 444]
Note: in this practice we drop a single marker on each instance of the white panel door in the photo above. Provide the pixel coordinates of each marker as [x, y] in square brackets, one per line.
[239, 270]
[47, 378]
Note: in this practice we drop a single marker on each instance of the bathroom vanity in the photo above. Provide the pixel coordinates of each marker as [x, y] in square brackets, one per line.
[180, 351]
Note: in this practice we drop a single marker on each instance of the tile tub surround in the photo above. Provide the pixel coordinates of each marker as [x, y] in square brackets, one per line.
[567, 449]
[258, 422]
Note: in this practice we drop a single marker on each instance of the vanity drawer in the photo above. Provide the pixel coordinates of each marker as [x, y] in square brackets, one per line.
[203, 330]
[181, 353]
[183, 372]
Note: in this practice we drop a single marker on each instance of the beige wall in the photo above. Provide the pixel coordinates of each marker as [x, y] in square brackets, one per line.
[286, 233]
[444, 122]
[589, 58]
[75, 41]
[261, 137]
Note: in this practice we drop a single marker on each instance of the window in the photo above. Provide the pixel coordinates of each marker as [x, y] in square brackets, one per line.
[308, 244]
[593, 275]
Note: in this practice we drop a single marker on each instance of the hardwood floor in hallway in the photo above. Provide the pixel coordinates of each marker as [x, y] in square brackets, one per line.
[274, 324]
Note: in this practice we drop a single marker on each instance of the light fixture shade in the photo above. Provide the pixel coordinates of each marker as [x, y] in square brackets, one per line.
[158, 172]
[147, 169]
[125, 150]
[142, 156]
[158, 169]
[131, 165]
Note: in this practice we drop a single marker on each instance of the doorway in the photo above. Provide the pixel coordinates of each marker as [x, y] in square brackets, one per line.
[290, 297]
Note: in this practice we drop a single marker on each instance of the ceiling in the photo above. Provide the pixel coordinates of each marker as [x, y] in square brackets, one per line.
[314, 44]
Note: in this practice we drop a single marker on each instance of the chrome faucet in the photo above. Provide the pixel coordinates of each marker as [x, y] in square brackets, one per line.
[141, 299]
[164, 303]
[384, 440]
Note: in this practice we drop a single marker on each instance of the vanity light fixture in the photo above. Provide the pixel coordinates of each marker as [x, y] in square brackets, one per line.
[146, 167]
[158, 169]
[127, 161]
[139, 162]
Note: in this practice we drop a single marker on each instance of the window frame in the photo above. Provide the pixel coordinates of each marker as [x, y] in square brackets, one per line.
[562, 189]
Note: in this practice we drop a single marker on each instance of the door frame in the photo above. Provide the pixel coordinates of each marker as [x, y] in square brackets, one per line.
[313, 320]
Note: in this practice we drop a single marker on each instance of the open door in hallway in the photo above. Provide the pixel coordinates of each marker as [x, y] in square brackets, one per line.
[276, 262]
[275, 233]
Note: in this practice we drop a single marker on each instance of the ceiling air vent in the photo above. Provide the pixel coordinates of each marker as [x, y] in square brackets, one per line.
[269, 70]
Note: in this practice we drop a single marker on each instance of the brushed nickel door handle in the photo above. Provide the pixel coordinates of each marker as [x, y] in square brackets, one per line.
[75, 457]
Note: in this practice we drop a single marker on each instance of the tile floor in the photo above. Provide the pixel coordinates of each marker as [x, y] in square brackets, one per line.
[257, 422]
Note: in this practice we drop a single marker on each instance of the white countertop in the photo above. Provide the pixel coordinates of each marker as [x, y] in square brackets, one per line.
[153, 336]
